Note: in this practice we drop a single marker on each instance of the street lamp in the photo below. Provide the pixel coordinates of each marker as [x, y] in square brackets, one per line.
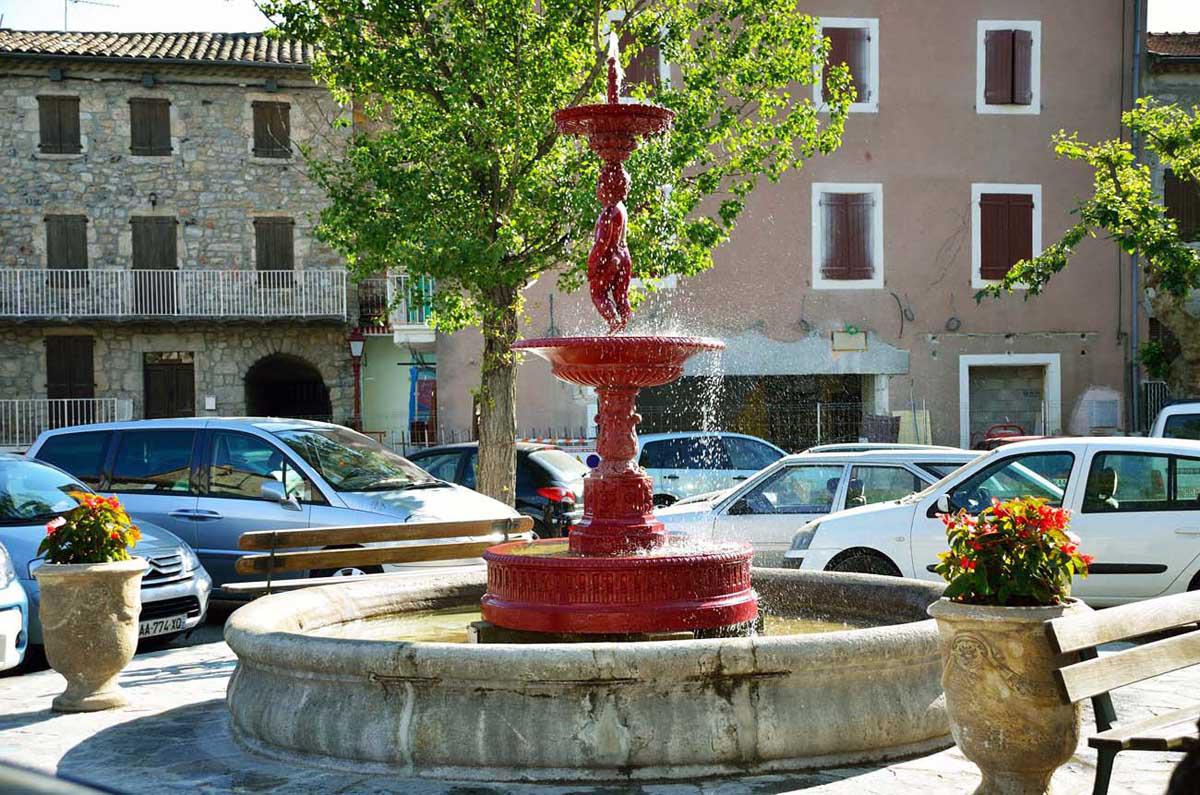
[356, 341]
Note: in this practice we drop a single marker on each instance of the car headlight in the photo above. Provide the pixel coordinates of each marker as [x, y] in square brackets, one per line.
[190, 561]
[7, 572]
[804, 535]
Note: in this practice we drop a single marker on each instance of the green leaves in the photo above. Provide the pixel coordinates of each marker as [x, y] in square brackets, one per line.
[453, 168]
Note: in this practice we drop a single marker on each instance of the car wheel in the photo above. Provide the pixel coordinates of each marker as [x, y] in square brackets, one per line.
[1195, 583]
[863, 561]
[347, 571]
[663, 500]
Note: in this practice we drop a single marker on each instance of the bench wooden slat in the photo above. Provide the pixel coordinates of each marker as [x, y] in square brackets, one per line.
[1092, 677]
[358, 556]
[1170, 731]
[1072, 633]
[407, 531]
[262, 586]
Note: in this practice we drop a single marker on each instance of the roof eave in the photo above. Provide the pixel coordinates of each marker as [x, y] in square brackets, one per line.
[136, 61]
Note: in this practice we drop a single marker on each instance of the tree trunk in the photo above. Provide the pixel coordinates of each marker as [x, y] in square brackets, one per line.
[497, 473]
[1184, 378]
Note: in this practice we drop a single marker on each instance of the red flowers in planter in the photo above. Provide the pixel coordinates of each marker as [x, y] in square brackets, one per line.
[1015, 553]
[96, 531]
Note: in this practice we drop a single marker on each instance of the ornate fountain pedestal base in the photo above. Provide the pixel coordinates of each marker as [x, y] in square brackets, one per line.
[617, 574]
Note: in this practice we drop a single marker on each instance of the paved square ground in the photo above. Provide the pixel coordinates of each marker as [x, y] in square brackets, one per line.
[175, 737]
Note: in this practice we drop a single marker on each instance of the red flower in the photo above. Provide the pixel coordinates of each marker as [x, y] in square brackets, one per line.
[1087, 559]
[115, 536]
[966, 563]
[1070, 549]
[975, 545]
[54, 524]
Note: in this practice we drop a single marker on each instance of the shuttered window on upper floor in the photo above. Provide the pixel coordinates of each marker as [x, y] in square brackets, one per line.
[1006, 232]
[273, 244]
[1182, 199]
[1008, 76]
[847, 236]
[149, 126]
[58, 125]
[272, 129]
[154, 242]
[850, 46]
[644, 67]
[66, 242]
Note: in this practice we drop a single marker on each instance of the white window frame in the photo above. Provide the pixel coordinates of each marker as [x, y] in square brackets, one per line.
[1035, 66]
[819, 282]
[977, 191]
[1051, 387]
[871, 24]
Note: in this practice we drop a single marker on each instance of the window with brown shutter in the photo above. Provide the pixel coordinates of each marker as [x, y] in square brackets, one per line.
[849, 46]
[274, 250]
[847, 236]
[66, 242]
[1182, 199]
[1005, 232]
[149, 126]
[1008, 67]
[272, 129]
[58, 125]
[154, 251]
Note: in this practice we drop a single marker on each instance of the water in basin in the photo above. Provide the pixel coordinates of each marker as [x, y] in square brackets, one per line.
[450, 625]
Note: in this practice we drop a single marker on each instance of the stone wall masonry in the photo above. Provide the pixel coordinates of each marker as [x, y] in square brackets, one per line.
[223, 354]
[211, 182]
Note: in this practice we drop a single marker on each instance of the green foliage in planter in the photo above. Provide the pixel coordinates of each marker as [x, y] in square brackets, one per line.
[96, 531]
[1017, 553]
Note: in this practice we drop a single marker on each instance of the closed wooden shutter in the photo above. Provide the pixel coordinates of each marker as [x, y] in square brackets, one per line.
[1182, 199]
[69, 368]
[66, 241]
[1022, 67]
[847, 251]
[154, 245]
[272, 129]
[998, 75]
[58, 125]
[1006, 232]
[849, 46]
[274, 249]
[149, 126]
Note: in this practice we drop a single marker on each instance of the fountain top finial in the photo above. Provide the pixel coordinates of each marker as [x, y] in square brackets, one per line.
[615, 74]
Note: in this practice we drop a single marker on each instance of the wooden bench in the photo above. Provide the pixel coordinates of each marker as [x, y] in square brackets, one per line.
[337, 547]
[1094, 675]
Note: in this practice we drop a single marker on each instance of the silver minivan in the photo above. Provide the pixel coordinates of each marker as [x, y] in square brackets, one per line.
[208, 480]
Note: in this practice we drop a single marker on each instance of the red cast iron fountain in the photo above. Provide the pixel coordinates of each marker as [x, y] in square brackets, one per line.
[617, 574]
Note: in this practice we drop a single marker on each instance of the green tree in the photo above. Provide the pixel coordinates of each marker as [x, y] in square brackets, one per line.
[1125, 208]
[463, 178]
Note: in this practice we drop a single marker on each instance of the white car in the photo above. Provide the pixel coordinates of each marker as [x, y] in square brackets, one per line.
[688, 463]
[1134, 502]
[772, 504]
[1178, 421]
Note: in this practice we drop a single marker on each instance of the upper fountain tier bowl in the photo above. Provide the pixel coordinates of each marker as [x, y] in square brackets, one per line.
[618, 361]
[623, 118]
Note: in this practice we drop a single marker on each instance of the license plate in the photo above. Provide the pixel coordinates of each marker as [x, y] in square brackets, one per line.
[160, 626]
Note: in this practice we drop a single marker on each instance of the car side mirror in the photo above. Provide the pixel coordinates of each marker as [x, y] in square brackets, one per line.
[274, 491]
[740, 508]
[943, 503]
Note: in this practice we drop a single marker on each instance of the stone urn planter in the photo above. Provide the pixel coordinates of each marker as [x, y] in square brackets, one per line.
[1004, 706]
[89, 614]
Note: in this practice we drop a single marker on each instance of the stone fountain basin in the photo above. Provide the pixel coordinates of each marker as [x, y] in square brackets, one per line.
[591, 711]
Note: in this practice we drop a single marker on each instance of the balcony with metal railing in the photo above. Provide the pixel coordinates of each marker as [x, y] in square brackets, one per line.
[22, 420]
[117, 293]
[399, 303]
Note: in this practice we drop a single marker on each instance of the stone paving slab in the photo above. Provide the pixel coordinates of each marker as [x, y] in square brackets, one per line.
[175, 737]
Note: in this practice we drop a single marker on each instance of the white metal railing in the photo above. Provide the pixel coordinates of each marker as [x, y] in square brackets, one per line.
[397, 300]
[119, 292]
[22, 420]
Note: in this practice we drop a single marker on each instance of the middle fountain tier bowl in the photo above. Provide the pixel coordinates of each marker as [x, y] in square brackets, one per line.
[617, 574]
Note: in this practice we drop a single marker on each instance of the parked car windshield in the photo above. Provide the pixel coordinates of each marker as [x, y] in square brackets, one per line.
[561, 463]
[1182, 426]
[352, 462]
[31, 493]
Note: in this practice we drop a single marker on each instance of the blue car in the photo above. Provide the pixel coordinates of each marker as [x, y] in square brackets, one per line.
[175, 587]
[14, 614]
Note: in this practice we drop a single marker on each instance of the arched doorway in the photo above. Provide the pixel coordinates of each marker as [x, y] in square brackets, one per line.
[286, 386]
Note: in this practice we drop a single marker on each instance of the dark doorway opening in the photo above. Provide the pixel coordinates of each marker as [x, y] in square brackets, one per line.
[792, 411]
[169, 381]
[287, 386]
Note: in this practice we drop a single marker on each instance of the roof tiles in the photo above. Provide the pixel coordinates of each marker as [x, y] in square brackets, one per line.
[209, 48]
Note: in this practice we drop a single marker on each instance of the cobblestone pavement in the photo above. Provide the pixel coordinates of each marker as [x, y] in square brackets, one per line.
[175, 737]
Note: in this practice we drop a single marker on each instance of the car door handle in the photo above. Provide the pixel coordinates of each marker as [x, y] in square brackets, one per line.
[740, 477]
[183, 513]
[670, 477]
[1188, 531]
[204, 515]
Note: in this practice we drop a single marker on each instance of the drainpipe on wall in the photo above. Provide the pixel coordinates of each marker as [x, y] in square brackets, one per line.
[1139, 7]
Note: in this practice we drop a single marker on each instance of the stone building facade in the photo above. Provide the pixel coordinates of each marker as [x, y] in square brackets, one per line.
[247, 335]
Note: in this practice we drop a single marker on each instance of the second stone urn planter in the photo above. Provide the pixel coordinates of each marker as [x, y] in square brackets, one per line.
[1004, 706]
[89, 614]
